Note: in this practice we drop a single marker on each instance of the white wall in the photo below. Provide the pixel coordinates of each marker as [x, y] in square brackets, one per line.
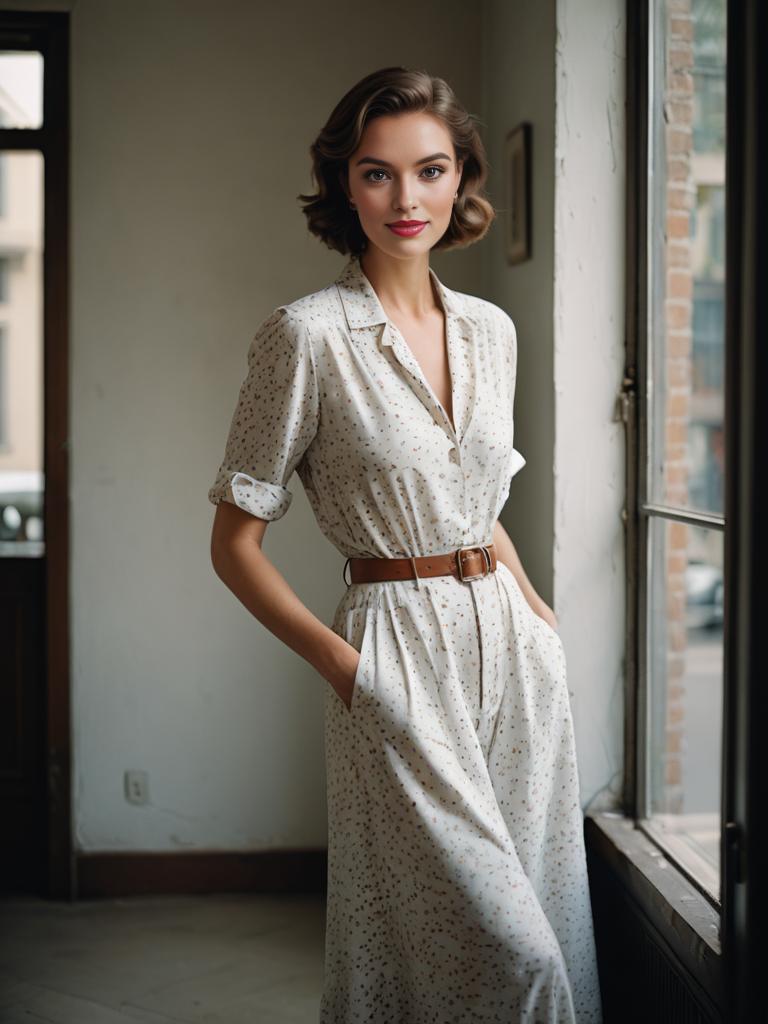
[191, 127]
[518, 86]
[589, 336]
[560, 65]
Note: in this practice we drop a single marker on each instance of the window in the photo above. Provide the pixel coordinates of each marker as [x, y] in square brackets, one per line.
[680, 439]
[678, 874]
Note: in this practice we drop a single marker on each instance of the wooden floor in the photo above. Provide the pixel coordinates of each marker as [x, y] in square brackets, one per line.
[231, 959]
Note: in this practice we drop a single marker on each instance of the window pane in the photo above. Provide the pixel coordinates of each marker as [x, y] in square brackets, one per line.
[21, 89]
[687, 283]
[21, 354]
[685, 660]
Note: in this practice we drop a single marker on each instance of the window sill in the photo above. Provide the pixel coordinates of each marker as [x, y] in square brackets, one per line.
[681, 916]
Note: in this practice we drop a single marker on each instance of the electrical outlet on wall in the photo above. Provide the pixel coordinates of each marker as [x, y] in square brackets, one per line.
[136, 787]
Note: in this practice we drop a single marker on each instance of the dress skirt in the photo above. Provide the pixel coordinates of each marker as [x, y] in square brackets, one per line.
[457, 883]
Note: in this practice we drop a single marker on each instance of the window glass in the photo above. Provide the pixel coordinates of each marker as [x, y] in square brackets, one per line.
[685, 663]
[21, 355]
[688, 278]
[685, 422]
[21, 89]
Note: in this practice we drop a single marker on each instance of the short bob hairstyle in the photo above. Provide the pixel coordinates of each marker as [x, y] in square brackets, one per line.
[394, 90]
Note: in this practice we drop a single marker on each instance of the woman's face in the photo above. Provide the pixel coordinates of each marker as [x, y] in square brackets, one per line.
[404, 169]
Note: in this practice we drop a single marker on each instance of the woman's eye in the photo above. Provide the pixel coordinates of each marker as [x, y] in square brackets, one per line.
[430, 177]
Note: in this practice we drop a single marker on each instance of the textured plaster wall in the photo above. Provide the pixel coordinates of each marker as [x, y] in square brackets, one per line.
[560, 65]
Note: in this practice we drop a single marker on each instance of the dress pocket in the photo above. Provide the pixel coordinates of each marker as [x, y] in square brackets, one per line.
[550, 628]
[553, 633]
[363, 645]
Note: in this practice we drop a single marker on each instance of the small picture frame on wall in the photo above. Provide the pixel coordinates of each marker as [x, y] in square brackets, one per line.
[517, 200]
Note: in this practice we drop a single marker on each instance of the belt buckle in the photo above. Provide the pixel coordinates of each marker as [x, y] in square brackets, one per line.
[476, 575]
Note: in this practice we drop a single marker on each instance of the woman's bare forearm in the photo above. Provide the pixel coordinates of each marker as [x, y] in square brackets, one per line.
[507, 553]
[244, 568]
[241, 564]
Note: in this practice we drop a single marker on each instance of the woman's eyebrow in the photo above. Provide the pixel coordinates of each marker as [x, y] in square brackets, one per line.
[424, 160]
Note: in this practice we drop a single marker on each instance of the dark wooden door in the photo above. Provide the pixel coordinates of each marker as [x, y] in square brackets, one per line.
[35, 851]
[23, 798]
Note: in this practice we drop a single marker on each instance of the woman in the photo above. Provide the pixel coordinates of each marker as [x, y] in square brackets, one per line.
[457, 886]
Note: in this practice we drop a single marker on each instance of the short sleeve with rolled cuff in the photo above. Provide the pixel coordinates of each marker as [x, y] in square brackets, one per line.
[274, 421]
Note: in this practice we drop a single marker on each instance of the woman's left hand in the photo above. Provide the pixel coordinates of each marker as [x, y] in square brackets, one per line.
[542, 609]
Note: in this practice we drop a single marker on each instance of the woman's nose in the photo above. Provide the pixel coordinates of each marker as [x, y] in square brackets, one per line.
[403, 199]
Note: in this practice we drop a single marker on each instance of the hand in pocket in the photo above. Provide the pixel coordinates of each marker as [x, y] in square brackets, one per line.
[347, 687]
[351, 686]
[343, 679]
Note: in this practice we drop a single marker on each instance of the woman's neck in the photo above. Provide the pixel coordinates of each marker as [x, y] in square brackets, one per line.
[403, 287]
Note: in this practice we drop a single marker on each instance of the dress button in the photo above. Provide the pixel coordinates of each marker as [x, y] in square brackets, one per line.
[453, 455]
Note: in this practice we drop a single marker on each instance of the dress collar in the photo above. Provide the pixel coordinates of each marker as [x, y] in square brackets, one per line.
[361, 303]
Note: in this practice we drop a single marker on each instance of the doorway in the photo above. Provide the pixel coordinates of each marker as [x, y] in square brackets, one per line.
[36, 853]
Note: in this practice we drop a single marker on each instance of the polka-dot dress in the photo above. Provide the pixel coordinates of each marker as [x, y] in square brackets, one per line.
[457, 884]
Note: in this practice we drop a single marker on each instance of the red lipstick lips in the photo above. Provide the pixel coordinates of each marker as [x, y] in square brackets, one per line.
[407, 228]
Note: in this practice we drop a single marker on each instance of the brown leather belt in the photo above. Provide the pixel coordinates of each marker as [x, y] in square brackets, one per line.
[468, 563]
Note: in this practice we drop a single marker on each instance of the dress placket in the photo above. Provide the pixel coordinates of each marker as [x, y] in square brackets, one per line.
[463, 388]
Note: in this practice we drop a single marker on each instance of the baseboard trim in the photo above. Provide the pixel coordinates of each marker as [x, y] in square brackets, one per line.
[105, 874]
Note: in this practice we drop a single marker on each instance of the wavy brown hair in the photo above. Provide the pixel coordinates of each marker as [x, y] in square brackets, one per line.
[394, 90]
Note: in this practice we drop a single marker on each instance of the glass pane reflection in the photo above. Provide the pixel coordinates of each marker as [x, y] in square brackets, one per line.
[21, 89]
[685, 617]
[687, 294]
[21, 354]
